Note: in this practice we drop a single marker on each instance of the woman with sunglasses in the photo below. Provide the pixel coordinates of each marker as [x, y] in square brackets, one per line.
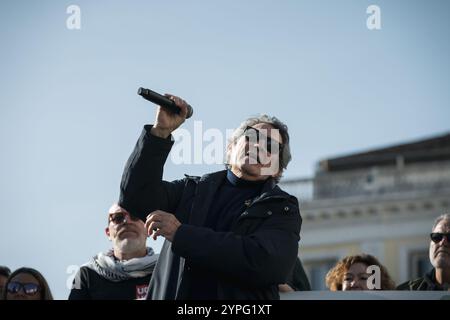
[27, 284]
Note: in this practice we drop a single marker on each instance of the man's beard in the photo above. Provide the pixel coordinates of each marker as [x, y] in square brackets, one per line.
[441, 260]
[128, 245]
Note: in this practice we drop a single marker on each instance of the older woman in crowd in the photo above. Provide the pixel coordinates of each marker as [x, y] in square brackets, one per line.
[351, 273]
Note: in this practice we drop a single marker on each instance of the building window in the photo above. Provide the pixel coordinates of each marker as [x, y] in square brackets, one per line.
[317, 271]
[419, 264]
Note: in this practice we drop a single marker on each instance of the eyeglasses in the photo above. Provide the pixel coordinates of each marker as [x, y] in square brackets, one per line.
[28, 288]
[254, 135]
[121, 217]
[437, 237]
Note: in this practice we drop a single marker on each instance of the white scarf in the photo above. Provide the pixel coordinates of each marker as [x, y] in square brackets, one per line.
[107, 266]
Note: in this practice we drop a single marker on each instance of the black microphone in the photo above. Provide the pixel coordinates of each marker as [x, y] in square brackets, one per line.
[163, 101]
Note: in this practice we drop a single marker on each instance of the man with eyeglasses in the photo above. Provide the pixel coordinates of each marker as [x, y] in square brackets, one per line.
[231, 234]
[122, 273]
[439, 277]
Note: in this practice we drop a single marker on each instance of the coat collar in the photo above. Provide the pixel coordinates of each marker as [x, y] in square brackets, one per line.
[430, 280]
[207, 187]
[204, 194]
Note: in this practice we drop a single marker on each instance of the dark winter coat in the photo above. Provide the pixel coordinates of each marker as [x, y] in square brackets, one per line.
[249, 261]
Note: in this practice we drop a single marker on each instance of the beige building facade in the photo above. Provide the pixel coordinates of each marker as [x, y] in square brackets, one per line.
[382, 202]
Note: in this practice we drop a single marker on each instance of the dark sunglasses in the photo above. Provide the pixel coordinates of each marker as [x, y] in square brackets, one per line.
[252, 134]
[437, 237]
[120, 217]
[28, 288]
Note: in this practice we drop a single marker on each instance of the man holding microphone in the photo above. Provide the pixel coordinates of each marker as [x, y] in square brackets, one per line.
[231, 234]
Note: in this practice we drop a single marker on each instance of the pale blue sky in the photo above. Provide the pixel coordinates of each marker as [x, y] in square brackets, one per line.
[69, 113]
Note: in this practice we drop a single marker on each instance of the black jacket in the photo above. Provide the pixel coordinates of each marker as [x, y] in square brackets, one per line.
[250, 261]
[425, 283]
[297, 279]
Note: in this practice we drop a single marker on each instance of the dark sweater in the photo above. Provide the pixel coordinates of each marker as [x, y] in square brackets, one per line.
[92, 286]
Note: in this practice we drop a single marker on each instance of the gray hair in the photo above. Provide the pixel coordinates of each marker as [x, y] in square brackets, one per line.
[285, 155]
[442, 217]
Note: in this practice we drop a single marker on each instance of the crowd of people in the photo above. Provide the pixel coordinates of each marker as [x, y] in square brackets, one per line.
[232, 234]
[124, 272]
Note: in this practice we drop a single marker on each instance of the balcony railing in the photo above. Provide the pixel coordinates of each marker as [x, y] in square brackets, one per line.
[301, 188]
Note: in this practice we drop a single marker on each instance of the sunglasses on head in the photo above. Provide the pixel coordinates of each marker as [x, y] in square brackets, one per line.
[437, 237]
[121, 217]
[28, 288]
[254, 135]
